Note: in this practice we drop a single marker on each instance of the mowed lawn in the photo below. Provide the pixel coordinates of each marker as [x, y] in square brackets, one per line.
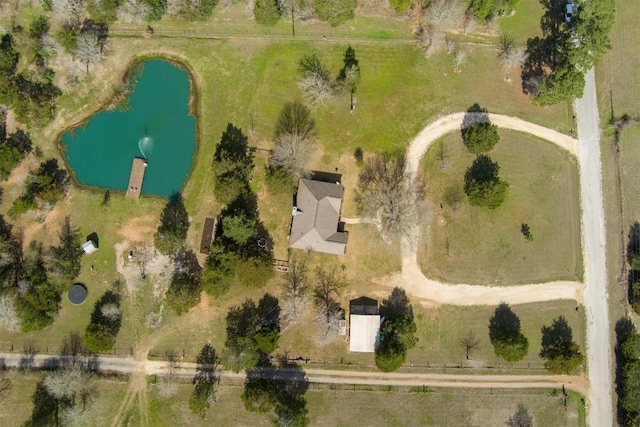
[486, 246]
[440, 331]
[346, 407]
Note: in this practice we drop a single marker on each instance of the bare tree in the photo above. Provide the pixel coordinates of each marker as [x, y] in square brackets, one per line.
[469, 342]
[294, 149]
[330, 284]
[89, 49]
[511, 56]
[459, 58]
[68, 383]
[111, 311]
[295, 289]
[384, 192]
[329, 325]
[8, 317]
[445, 13]
[315, 89]
[67, 10]
[133, 11]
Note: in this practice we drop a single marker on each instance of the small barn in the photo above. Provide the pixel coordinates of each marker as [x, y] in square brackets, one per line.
[364, 325]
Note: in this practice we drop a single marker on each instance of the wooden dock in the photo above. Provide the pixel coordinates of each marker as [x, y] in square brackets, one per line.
[137, 176]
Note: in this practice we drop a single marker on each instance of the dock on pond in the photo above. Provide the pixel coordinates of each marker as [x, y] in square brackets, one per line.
[135, 179]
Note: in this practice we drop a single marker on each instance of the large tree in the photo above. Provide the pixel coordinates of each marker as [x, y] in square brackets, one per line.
[104, 326]
[504, 332]
[186, 283]
[329, 286]
[233, 166]
[480, 138]
[482, 184]
[38, 299]
[204, 381]
[66, 258]
[174, 224]
[294, 148]
[397, 334]
[560, 353]
[387, 194]
[349, 76]
[89, 49]
[295, 288]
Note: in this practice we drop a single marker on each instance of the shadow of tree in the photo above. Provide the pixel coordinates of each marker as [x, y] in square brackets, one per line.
[475, 114]
[279, 389]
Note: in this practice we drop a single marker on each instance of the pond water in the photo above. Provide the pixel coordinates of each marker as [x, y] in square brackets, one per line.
[155, 125]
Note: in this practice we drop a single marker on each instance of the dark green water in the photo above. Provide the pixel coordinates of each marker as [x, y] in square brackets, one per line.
[157, 125]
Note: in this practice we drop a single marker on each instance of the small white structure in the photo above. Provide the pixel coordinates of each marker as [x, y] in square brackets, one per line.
[364, 325]
[89, 247]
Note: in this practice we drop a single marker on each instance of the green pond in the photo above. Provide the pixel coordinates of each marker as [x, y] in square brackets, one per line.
[156, 125]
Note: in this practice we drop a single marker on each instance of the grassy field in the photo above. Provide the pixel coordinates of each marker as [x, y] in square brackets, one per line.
[486, 246]
[437, 407]
[440, 331]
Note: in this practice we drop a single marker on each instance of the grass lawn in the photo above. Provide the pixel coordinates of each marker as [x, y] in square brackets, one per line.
[440, 331]
[630, 162]
[486, 246]
[437, 407]
[525, 23]
[17, 405]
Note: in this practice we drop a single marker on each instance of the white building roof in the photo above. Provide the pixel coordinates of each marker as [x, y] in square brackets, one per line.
[363, 332]
[89, 247]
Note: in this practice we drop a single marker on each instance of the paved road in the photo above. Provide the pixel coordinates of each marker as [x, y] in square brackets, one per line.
[325, 376]
[594, 243]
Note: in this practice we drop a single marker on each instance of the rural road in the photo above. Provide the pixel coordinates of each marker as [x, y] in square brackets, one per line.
[325, 376]
[594, 248]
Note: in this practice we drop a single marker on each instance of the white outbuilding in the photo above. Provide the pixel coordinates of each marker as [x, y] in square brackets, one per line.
[364, 325]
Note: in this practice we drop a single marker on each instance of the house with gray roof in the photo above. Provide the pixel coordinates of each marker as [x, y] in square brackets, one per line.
[316, 217]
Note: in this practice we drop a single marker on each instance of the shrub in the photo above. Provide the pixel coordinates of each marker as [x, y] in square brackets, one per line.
[266, 12]
[335, 12]
[480, 138]
[482, 184]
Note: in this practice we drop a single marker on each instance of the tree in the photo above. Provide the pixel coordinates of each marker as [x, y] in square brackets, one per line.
[280, 390]
[482, 10]
[174, 224]
[157, 8]
[315, 84]
[106, 200]
[133, 11]
[204, 381]
[239, 228]
[186, 283]
[66, 258]
[335, 12]
[561, 354]
[504, 332]
[480, 138]
[251, 331]
[233, 166]
[482, 184]
[47, 184]
[89, 49]
[295, 288]
[511, 56]
[294, 131]
[633, 246]
[349, 76]
[521, 418]
[101, 332]
[329, 286]
[384, 192]
[38, 300]
[453, 196]
[397, 334]
[469, 342]
[39, 27]
[400, 5]
[266, 12]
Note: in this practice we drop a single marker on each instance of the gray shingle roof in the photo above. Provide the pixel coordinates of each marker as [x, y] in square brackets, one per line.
[315, 223]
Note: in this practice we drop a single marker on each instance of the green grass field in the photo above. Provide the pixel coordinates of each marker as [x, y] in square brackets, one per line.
[346, 407]
[486, 246]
